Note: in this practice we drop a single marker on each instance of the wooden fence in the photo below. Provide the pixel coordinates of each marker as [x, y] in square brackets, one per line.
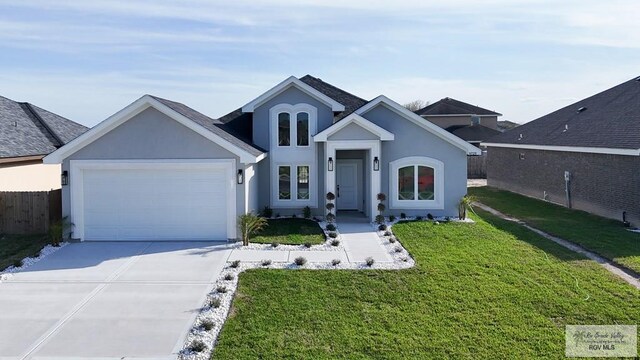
[29, 212]
[477, 166]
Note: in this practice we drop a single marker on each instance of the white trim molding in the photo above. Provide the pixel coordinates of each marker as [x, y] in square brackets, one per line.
[77, 168]
[374, 148]
[579, 149]
[438, 191]
[292, 81]
[130, 112]
[383, 134]
[421, 122]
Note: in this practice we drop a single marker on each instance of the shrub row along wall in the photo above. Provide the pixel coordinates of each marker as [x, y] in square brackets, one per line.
[29, 212]
[602, 184]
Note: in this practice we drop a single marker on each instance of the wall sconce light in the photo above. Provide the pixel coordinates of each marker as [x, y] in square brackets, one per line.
[376, 164]
[240, 177]
[330, 164]
[64, 178]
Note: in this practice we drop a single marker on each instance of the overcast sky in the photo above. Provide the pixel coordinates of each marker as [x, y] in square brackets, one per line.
[87, 59]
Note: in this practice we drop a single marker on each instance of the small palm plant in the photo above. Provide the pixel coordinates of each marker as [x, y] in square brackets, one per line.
[59, 229]
[465, 202]
[250, 224]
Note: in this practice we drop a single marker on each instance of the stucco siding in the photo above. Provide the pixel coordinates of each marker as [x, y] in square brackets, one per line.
[30, 177]
[147, 136]
[413, 140]
[602, 184]
[353, 132]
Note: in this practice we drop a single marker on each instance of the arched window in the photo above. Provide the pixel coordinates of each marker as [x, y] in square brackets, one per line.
[417, 182]
[284, 126]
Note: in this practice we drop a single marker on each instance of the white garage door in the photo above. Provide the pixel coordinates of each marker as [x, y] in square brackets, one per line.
[155, 204]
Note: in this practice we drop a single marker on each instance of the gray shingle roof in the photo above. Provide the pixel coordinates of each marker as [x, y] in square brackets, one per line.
[449, 106]
[215, 126]
[472, 133]
[351, 102]
[28, 130]
[610, 119]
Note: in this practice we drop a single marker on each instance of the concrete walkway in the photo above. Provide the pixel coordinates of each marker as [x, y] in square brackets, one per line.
[359, 239]
[620, 271]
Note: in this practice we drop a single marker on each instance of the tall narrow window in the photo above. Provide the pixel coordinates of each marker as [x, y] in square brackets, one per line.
[425, 183]
[302, 129]
[303, 183]
[284, 129]
[284, 182]
[406, 182]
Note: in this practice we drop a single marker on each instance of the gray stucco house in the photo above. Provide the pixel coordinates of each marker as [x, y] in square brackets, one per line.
[585, 155]
[159, 170]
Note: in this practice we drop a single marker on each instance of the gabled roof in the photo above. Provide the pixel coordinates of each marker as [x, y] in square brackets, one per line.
[607, 120]
[292, 81]
[351, 102]
[28, 130]
[383, 134]
[201, 124]
[472, 133]
[427, 125]
[449, 106]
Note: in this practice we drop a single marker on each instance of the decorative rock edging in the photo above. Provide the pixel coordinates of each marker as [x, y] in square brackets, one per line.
[401, 260]
[28, 261]
[326, 246]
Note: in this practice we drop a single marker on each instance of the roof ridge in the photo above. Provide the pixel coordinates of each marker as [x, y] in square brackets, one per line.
[29, 108]
[333, 86]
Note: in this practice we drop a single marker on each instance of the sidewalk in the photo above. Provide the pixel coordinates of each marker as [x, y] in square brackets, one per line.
[360, 242]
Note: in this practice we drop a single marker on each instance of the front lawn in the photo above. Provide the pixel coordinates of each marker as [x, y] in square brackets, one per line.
[290, 232]
[487, 290]
[601, 235]
[18, 247]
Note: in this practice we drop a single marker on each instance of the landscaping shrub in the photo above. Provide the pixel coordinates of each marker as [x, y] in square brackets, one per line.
[330, 217]
[419, 218]
[336, 262]
[235, 264]
[222, 289]
[379, 219]
[58, 229]
[331, 227]
[294, 216]
[333, 234]
[429, 216]
[382, 227]
[381, 207]
[266, 262]
[381, 197]
[306, 212]
[267, 212]
[369, 261]
[335, 242]
[330, 206]
[215, 303]
[207, 324]
[229, 277]
[277, 215]
[300, 261]
[403, 216]
[308, 244]
[198, 346]
[275, 244]
[387, 233]
[405, 259]
[250, 224]
[331, 196]
[397, 249]
[392, 218]
[392, 239]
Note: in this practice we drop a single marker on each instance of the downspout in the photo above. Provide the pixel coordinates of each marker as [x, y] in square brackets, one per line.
[567, 189]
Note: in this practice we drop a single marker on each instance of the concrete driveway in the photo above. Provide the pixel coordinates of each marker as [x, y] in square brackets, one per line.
[109, 300]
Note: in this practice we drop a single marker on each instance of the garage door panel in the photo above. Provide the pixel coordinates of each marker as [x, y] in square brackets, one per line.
[155, 204]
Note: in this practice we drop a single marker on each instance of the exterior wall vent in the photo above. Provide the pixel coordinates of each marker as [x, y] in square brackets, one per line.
[582, 109]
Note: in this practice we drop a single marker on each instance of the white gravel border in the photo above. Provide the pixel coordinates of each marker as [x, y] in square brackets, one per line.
[401, 260]
[28, 261]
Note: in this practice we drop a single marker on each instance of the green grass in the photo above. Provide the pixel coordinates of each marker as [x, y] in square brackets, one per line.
[604, 236]
[18, 247]
[487, 290]
[290, 232]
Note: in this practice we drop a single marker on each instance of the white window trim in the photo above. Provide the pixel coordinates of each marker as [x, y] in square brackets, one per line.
[76, 181]
[293, 111]
[276, 202]
[438, 167]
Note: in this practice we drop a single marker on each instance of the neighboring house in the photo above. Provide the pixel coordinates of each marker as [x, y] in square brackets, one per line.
[590, 148]
[159, 170]
[468, 122]
[504, 125]
[27, 134]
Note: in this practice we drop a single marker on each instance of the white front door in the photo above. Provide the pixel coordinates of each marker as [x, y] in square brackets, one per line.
[347, 180]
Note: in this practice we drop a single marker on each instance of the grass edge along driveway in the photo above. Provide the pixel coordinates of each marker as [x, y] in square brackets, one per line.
[487, 290]
[603, 236]
[14, 248]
